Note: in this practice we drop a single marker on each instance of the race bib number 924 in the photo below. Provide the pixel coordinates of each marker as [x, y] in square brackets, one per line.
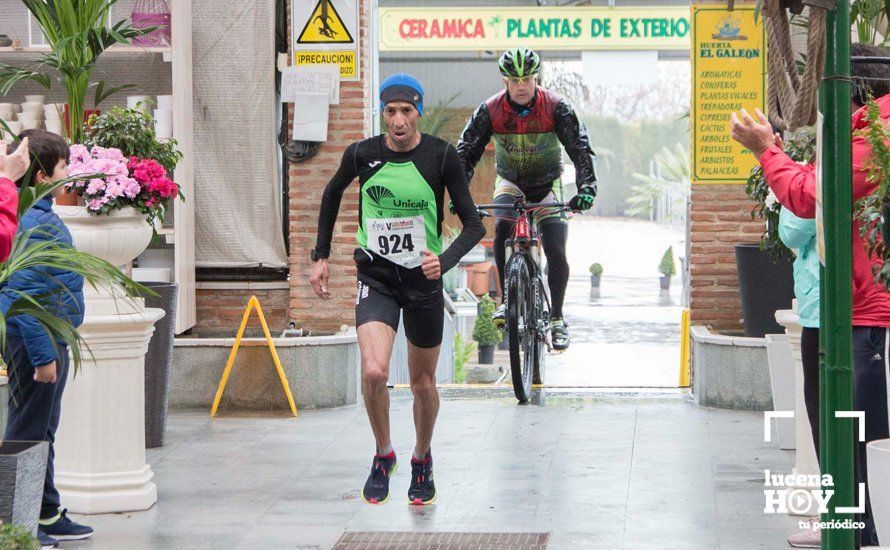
[400, 240]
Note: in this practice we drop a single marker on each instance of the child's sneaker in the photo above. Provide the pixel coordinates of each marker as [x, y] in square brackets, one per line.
[62, 528]
[46, 541]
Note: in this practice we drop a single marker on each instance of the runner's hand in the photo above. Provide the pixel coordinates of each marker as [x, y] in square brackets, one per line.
[319, 279]
[432, 269]
[46, 374]
[14, 166]
[583, 200]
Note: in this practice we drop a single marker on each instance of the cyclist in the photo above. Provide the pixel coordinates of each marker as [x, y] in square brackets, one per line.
[528, 124]
[403, 175]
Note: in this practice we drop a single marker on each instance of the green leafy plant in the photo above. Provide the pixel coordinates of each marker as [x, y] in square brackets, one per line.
[801, 147]
[78, 32]
[870, 19]
[484, 331]
[666, 266]
[463, 350]
[16, 537]
[596, 269]
[673, 180]
[50, 254]
[873, 212]
[133, 132]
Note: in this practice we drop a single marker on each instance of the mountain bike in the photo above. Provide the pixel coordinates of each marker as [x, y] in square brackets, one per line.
[528, 306]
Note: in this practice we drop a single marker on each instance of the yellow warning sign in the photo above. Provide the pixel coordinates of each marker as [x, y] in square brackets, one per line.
[325, 26]
[345, 59]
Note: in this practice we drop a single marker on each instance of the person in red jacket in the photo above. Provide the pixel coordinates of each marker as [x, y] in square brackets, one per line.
[12, 167]
[795, 187]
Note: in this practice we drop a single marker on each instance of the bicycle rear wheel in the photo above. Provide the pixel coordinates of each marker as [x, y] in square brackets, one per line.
[521, 319]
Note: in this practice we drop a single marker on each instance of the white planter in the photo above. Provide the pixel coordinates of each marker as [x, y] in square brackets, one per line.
[805, 455]
[878, 456]
[117, 238]
[100, 446]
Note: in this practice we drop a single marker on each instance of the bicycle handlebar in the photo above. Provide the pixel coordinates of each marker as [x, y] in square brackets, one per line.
[523, 206]
[520, 206]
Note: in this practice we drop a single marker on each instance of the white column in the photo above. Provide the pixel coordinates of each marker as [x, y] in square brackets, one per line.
[100, 446]
[805, 454]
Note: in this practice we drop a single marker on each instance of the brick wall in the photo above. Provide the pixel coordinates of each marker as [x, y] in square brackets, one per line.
[720, 219]
[219, 310]
[348, 123]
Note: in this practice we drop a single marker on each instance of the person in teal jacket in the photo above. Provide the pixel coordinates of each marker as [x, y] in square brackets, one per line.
[800, 235]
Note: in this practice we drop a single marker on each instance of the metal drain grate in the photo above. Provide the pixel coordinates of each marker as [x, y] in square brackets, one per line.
[442, 541]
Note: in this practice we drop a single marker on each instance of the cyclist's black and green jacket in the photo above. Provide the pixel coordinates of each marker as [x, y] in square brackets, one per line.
[402, 185]
[527, 140]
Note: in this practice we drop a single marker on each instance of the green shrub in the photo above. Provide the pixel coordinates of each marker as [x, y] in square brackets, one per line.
[463, 350]
[16, 537]
[484, 331]
[666, 267]
[133, 132]
[596, 269]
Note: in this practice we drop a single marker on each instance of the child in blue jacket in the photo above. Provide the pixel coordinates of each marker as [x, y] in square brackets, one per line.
[37, 364]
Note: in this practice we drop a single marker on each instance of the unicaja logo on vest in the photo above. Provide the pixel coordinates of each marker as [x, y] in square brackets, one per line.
[419, 205]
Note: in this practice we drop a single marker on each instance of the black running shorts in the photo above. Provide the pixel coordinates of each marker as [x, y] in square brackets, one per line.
[386, 290]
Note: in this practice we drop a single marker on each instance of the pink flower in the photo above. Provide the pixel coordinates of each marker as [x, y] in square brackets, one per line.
[142, 183]
[79, 153]
[165, 187]
[95, 186]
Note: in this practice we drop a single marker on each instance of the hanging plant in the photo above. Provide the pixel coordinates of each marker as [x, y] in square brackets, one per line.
[801, 147]
[873, 212]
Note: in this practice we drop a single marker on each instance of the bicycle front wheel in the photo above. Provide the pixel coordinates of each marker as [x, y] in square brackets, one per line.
[521, 318]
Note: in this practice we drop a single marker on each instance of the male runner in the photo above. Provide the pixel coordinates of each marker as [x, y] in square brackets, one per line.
[528, 124]
[403, 176]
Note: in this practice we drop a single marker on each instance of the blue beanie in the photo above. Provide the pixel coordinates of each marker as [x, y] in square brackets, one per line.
[402, 87]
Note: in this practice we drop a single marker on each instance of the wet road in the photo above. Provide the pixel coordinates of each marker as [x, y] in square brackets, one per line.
[629, 334]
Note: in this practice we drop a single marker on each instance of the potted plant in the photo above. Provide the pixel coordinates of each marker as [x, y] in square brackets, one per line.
[766, 279]
[120, 194]
[596, 272]
[485, 333]
[667, 268]
[77, 32]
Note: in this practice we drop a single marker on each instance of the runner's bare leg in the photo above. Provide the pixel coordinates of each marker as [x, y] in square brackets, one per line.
[422, 368]
[375, 340]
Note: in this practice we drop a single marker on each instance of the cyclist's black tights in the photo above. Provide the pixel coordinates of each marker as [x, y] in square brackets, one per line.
[554, 232]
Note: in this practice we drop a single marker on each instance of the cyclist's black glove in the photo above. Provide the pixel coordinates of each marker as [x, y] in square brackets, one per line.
[583, 200]
[451, 206]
